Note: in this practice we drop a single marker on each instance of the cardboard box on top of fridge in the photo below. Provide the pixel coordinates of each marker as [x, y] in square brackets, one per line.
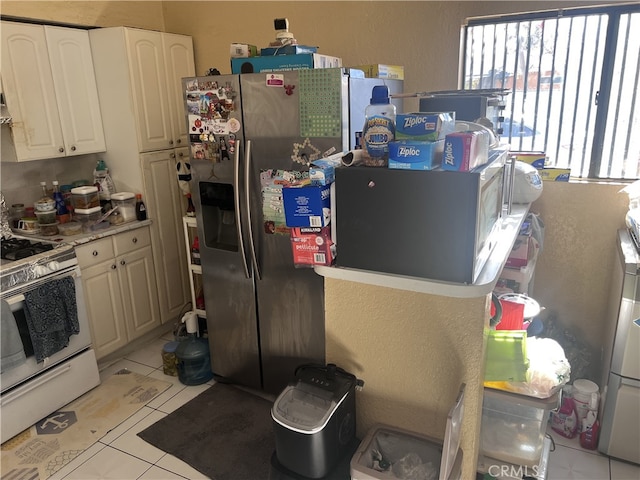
[307, 205]
[287, 50]
[391, 72]
[280, 63]
[550, 174]
[537, 159]
[242, 50]
[464, 151]
[312, 246]
[425, 126]
[415, 154]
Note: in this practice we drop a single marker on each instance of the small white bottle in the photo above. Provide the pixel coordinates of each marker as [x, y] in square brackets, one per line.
[379, 128]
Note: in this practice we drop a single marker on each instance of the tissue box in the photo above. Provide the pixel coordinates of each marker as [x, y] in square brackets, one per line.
[425, 126]
[279, 63]
[242, 50]
[395, 72]
[312, 246]
[464, 151]
[415, 155]
[307, 206]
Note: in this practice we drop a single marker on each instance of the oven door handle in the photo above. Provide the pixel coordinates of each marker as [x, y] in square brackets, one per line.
[17, 299]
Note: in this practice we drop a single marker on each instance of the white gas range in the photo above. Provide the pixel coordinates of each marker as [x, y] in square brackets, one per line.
[35, 273]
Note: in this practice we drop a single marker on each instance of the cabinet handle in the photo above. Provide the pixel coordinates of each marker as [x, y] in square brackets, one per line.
[73, 148]
[113, 267]
[61, 149]
[181, 154]
[170, 142]
[134, 239]
[178, 142]
[172, 155]
[94, 253]
[122, 262]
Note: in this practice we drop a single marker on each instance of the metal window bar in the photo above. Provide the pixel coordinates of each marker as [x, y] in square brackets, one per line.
[574, 127]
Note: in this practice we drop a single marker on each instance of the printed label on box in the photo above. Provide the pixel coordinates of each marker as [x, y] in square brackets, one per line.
[312, 246]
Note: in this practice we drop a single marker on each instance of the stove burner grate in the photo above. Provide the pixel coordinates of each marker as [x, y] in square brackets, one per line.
[18, 248]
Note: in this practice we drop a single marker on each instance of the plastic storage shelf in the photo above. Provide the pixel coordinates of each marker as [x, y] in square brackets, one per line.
[513, 426]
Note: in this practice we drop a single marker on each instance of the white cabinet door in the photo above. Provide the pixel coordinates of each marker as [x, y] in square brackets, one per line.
[149, 88]
[29, 91]
[166, 206]
[178, 53]
[139, 291]
[105, 309]
[76, 91]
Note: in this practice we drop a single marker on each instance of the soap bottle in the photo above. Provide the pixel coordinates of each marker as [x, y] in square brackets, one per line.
[379, 128]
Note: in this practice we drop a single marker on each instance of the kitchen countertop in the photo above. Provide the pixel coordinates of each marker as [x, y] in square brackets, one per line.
[483, 285]
[83, 238]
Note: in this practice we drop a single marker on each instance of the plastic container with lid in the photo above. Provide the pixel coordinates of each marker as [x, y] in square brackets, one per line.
[126, 203]
[84, 198]
[70, 228]
[48, 229]
[87, 217]
[514, 426]
[390, 452]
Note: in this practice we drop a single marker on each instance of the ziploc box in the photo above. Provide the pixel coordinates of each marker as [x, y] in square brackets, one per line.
[464, 151]
[312, 246]
[425, 126]
[415, 154]
[281, 63]
[550, 174]
[307, 206]
[536, 159]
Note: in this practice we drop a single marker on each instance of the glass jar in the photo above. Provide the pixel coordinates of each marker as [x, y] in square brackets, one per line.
[16, 212]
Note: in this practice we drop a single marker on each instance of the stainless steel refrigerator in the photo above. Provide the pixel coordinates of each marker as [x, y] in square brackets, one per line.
[264, 316]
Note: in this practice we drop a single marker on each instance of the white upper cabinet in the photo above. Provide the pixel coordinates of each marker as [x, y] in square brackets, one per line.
[178, 53]
[155, 63]
[50, 89]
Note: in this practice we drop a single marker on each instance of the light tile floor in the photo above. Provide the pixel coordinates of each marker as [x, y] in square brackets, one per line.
[122, 455]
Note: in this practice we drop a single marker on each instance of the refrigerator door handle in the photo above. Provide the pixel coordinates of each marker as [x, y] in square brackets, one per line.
[247, 177]
[236, 200]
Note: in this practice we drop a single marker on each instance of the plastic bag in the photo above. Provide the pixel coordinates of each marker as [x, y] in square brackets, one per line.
[548, 370]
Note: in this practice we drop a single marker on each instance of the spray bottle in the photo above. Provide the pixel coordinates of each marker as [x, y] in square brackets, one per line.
[192, 354]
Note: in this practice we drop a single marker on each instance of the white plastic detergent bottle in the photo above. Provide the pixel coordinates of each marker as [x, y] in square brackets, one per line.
[379, 128]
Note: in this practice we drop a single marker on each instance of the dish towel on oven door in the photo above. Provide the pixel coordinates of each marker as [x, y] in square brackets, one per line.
[11, 350]
[52, 316]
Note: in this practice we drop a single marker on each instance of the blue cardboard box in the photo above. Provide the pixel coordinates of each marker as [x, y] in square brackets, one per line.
[307, 206]
[287, 50]
[425, 126]
[415, 154]
[281, 63]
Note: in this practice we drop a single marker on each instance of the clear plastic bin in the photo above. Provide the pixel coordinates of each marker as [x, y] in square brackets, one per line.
[514, 426]
[389, 453]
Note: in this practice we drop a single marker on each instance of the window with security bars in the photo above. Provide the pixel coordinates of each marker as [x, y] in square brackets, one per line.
[571, 83]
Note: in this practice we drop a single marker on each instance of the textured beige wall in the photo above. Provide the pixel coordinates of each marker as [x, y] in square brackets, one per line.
[142, 14]
[412, 350]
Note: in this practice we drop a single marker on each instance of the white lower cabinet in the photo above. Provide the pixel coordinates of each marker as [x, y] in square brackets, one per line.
[120, 288]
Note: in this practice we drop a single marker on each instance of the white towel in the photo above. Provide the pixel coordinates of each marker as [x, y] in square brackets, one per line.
[11, 350]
